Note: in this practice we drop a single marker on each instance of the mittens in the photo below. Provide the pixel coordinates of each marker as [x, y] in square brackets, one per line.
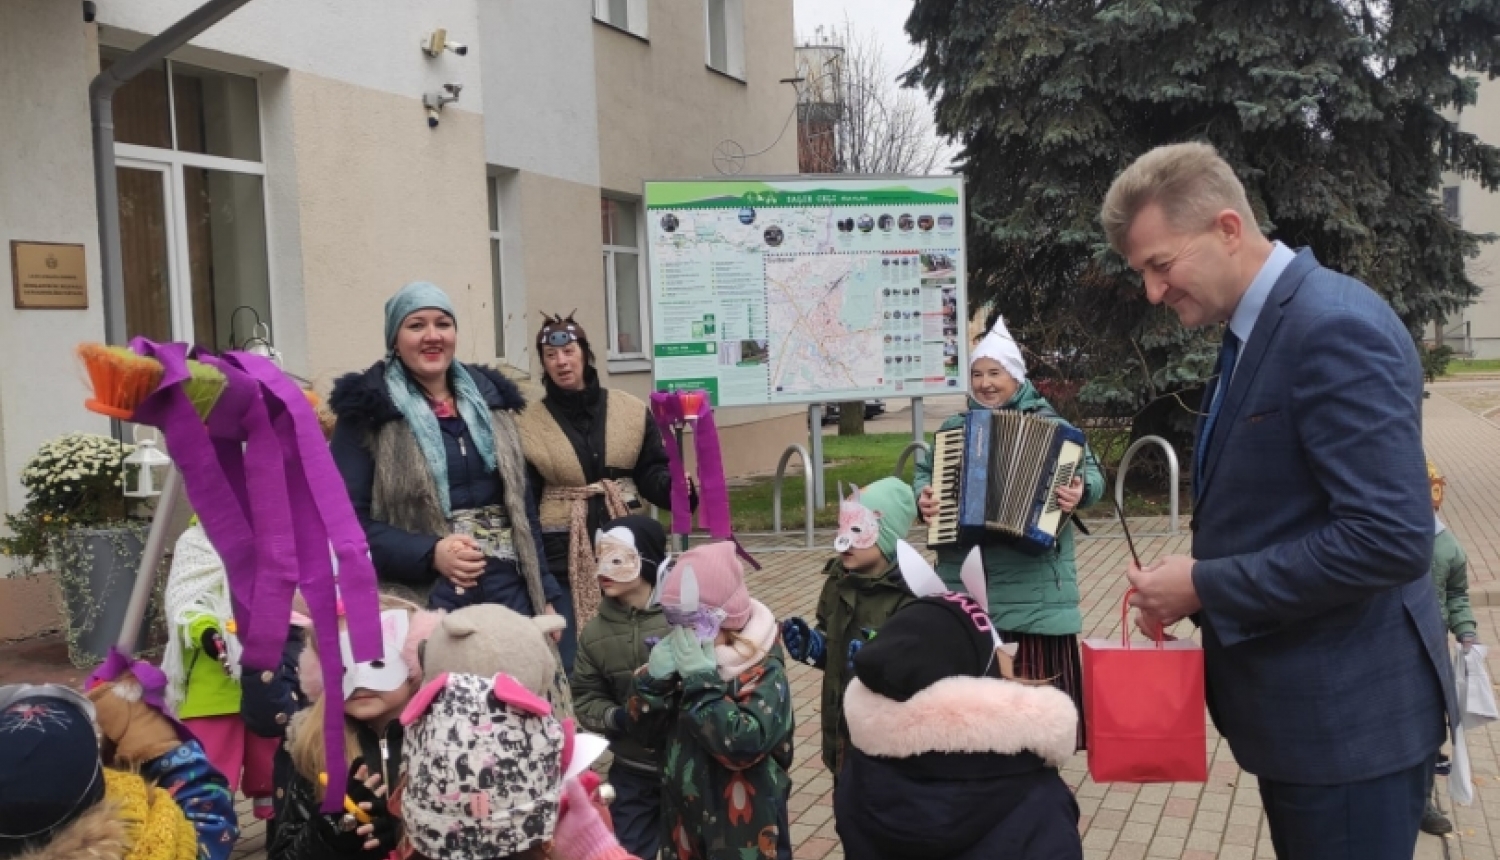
[803, 643]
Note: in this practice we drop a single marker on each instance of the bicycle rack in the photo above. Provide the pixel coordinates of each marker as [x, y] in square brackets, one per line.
[906, 453]
[807, 490]
[1125, 466]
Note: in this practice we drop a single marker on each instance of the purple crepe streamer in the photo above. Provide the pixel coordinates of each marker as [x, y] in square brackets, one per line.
[323, 516]
[713, 491]
[220, 506]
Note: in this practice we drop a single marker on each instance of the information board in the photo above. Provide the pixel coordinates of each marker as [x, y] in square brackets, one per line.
[799, 290]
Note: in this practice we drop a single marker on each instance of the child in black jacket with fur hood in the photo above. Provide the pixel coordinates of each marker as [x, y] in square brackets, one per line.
[950, 759]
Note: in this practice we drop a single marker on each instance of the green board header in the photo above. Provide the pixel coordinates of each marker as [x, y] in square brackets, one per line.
[721, 195]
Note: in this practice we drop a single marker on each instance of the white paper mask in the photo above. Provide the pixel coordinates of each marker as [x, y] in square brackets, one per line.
[617, 557]
[383, 675]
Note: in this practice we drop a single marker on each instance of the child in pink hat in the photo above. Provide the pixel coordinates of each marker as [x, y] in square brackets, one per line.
[718, 687]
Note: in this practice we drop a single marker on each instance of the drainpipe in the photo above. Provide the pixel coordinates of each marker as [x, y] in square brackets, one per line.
[106, 188]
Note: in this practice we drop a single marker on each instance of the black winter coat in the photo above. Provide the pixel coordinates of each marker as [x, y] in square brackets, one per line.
[964, 770]
[303, 832]
[361, 402]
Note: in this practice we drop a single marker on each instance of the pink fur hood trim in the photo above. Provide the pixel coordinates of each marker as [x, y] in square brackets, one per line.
[964, 715]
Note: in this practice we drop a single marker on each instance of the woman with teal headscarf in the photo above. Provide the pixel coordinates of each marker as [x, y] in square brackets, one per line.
[430, 453]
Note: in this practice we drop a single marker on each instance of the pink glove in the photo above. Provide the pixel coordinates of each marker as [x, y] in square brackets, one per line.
[581, 833]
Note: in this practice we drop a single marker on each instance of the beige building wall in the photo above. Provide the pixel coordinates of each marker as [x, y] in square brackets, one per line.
[662, 113]
[1479, 212]
[662, 110]
[382, 200]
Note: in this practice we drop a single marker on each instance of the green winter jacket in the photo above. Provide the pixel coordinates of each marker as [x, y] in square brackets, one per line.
[1028, 593]
[610, 650]
[726, 778]
[1450, 574]
[208, 690]
[850, 604]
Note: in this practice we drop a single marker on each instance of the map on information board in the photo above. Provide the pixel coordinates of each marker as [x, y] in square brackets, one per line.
[809, 289]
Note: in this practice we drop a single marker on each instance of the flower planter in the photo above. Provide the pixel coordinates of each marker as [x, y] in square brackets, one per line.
[97, 570]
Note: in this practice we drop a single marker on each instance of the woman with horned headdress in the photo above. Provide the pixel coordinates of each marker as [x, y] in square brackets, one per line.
[594, 454]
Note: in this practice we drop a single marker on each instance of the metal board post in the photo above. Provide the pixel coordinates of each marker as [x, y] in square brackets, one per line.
[917, 434]
[815, 469]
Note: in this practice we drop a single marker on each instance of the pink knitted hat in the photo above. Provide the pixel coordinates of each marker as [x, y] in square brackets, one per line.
[721, 582]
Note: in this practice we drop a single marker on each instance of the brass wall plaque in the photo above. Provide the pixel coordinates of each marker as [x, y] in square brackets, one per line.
[48, 276]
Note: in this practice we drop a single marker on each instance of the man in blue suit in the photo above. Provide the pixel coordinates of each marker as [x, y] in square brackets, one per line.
[1324, 652]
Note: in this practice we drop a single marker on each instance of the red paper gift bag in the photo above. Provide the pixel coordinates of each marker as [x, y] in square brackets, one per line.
[1144, 709]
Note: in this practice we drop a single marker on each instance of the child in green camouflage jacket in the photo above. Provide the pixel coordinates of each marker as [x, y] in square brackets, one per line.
[864, 587]
[719, 679]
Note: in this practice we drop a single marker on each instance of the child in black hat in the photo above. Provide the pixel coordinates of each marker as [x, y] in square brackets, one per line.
[58, 800]
[611, 648]
[949, 758]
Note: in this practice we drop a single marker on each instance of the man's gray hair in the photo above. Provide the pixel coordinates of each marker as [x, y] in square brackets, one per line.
[1191, 182]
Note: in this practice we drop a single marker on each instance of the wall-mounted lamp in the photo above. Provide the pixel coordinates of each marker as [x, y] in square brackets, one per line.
[437, 42]
[434, 102]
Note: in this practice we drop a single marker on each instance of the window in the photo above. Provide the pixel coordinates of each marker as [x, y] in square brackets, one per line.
[1450, 203]
[627, 15]
[726, 36]
[192, 204]
[626, 300]
[497, 260]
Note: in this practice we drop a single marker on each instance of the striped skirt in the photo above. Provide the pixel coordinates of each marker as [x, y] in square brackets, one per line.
[1054, 659]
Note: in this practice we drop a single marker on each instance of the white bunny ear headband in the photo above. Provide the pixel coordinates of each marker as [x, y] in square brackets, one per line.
[924, 582]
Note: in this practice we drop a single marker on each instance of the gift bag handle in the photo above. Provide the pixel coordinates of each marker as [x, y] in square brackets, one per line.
[1161, 629]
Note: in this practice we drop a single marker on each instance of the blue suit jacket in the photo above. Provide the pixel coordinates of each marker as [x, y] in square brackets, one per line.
[1325, 654]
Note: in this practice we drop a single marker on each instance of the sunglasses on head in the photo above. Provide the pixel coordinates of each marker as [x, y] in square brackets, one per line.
[556, 338]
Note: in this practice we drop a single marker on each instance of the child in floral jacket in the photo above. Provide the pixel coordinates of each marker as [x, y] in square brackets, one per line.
[720, 678]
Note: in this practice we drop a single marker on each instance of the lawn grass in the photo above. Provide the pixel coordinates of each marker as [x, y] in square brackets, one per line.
[862, 460]
[1459, 367]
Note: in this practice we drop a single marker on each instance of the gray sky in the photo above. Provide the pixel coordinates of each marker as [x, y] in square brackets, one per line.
[881, 18]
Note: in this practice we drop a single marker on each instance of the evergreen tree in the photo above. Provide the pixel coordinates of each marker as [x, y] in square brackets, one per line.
[1338, 116]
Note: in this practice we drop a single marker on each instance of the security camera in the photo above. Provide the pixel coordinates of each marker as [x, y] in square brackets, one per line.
[437, 42]
[432, 117]
[89, 11]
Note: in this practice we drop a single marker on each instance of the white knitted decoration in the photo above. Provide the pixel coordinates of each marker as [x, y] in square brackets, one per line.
[196, 586]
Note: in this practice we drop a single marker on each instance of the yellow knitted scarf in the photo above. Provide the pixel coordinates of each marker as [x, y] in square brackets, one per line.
[155, 827]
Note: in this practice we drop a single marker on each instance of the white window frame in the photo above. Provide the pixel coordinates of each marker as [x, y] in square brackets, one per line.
[172, 162]
[627, 361]
[635, 17]
[734, 37]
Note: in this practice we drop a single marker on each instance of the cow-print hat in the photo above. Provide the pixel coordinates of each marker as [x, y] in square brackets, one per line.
[484, 765]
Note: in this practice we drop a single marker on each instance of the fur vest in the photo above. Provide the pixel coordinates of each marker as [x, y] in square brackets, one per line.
[404, 494]
[550, 452]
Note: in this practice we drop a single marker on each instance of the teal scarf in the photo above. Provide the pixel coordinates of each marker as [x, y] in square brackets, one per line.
[413, 405]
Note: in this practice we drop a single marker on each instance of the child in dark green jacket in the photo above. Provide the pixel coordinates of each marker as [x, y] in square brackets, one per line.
[610, 650]
[720, 676]
[864, 588]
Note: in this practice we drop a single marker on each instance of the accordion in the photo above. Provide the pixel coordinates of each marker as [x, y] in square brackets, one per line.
[996, 479]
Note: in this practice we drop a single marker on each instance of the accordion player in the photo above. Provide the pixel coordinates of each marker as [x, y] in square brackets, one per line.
[995, 480]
